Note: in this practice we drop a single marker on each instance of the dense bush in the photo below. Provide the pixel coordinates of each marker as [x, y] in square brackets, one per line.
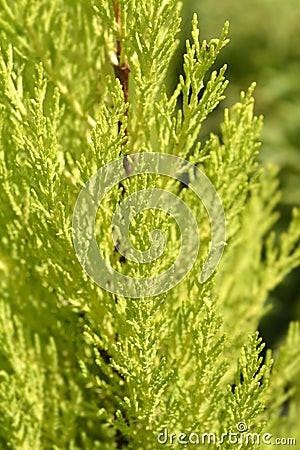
[83, 86]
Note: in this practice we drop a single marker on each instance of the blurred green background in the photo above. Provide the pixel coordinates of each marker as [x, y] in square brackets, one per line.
[264, 47]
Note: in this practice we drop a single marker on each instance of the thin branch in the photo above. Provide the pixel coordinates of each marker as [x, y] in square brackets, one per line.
[122, 71]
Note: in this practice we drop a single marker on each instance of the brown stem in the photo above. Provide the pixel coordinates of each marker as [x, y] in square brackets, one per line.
[118, 20]
[122, 70]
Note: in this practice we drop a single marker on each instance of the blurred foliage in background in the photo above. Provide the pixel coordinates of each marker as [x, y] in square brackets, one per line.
[265, 47]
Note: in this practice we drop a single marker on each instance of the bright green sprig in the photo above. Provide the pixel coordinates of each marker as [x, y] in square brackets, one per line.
[83, 368]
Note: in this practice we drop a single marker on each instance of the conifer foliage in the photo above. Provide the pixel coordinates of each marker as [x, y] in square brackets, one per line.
[83, 84]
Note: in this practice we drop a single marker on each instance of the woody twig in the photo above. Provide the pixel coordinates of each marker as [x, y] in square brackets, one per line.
[122, 70]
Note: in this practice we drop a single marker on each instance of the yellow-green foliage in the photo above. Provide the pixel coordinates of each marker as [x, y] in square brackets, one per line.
[83, 368]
